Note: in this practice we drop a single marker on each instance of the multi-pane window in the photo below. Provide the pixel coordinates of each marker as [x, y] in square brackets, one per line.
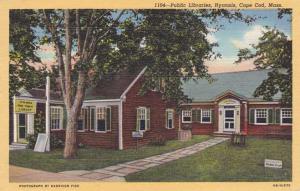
[103, 116]
[169, 118]
[80, 120]
[206, 116]
[286, 116]
[261, 116]
[56, 114]
[143, 118]
[186, 116]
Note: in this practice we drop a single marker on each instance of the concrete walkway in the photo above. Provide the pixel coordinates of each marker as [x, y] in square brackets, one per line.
[20, 174]
[119, 171]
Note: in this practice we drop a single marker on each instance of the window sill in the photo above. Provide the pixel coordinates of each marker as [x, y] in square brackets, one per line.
[186, 122]
[262, 124]
[286, 124]
[57, 129]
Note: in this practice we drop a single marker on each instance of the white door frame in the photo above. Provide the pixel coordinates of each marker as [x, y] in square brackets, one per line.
[23, 126]
[223, 106]
[224, 119]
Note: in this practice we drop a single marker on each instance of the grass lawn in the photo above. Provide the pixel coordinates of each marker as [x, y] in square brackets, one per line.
[92, 158]
[224, 162]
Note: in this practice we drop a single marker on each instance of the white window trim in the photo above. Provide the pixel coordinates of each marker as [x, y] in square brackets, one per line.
[182, 117]
[146, 119]
[267, 118]
[206, 122]
[61, 118]
[167, 120]
[281, 117]
[96, 119]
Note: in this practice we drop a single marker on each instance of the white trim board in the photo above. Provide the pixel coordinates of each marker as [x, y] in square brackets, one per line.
[123, 96]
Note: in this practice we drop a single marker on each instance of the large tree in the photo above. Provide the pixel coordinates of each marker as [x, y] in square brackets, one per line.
[92, 43]
[273, 51]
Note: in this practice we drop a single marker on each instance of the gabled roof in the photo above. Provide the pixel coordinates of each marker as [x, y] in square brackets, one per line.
[112, 87]
[38, 93]
[243, 84]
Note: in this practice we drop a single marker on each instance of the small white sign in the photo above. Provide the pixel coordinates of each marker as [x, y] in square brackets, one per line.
[41, 142]
[137, 134]
[273, 163]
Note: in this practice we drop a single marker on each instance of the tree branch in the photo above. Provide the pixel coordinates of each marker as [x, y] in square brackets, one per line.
[78, 31]
[58, 51]
[68, 39]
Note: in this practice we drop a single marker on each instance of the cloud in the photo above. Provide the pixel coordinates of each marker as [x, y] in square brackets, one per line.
[250, 37]
[211, 38]
[226, 64]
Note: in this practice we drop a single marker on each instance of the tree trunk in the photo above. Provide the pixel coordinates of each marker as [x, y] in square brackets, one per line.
[70, 150]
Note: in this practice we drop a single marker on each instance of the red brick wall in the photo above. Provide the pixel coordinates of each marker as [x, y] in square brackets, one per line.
[157, 107]
[96, 139]
[271, 129]
[199, 128]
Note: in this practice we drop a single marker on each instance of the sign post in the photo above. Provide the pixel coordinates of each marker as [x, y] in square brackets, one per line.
[137, 135]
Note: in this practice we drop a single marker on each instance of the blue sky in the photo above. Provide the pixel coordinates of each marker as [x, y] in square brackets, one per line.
[237, 34]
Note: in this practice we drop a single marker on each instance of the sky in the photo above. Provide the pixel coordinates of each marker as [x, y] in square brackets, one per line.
[232, 37]
[237, 35]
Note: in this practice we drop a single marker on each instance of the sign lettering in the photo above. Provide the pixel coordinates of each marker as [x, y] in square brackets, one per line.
[273, 163]
[25, 106]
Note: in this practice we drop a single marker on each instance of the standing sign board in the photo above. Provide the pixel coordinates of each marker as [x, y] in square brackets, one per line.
[137, 135]
[25, 106]
[41, 142]
[273, 163]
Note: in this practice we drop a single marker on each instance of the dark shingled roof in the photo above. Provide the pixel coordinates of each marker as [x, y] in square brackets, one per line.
[41, 94]
[242, 83]
[112, 87]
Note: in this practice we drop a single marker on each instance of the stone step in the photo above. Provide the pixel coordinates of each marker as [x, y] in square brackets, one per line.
[217, 134]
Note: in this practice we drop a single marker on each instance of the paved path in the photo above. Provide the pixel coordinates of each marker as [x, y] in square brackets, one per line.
[119, 171]
[20, 174]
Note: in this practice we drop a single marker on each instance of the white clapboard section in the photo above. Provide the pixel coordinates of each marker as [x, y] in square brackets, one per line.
[41, 142]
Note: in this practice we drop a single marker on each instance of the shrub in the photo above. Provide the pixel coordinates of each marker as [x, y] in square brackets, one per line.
[158, 141]
[56, 142]
[31, 141]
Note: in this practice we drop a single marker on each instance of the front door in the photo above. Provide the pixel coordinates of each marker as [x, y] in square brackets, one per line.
[22, 127]
[229, 122]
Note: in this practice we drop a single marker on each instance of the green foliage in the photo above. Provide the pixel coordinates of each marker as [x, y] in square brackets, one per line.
[56, 142]
[158, 141]
[24, 43]
[274, 51]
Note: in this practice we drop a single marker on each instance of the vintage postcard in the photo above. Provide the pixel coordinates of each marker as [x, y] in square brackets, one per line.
[185, 95]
